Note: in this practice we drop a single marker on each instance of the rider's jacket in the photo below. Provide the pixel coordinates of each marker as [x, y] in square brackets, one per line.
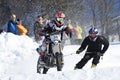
[52, 28]
[55, 34]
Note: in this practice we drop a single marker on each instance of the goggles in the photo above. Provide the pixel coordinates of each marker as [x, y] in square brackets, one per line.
[60, 19]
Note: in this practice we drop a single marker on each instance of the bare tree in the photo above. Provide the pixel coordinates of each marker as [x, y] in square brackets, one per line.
[102, 13]
[106, 8]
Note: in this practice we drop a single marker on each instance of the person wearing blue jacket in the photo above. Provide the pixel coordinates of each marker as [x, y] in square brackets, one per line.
[12, 25]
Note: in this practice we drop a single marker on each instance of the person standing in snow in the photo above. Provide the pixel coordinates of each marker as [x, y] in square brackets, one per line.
[12, 25]
[69, 28]
[94, 44]
[38, 26]
[21, 29]
[69, 31]
[78, 32]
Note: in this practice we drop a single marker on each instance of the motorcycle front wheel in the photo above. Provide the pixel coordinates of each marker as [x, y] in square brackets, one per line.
[58, 61]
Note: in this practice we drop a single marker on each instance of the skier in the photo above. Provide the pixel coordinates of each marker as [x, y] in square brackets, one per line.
[54, 26]
[94, 43]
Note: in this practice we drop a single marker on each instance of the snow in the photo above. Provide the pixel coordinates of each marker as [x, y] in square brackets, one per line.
[18, 60]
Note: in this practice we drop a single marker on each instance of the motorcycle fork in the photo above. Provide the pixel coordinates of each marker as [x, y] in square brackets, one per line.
[50, 51]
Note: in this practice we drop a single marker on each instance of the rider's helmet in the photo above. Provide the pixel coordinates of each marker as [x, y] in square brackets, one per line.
[59, 16]
[93, 30]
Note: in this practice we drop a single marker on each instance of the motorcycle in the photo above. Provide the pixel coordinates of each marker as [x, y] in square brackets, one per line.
[53, 56]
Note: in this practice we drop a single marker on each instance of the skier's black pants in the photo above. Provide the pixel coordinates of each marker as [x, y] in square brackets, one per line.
[86, 58]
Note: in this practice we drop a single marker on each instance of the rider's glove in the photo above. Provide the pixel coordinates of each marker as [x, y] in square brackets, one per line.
[78, 51]
[40, 34]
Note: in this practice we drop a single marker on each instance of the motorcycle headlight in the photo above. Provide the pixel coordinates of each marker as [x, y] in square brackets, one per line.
[55, 42]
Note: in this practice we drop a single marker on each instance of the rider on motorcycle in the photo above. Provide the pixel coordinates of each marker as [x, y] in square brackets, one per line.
[56, 27]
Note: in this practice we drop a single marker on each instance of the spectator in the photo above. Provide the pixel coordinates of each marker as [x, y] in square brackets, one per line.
[21, 29]
[69, 28]
[12, 25]
[38, 26]
[78, 33]
[69, 31]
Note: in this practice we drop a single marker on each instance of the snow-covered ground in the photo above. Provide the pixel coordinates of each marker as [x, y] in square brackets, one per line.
[18, 60]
